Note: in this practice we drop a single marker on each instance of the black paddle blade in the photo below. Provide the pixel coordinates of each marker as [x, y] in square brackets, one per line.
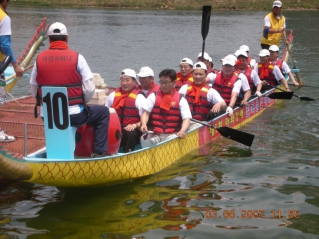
[205, 20]
[305, 98]
[281, 95]
[236, 135]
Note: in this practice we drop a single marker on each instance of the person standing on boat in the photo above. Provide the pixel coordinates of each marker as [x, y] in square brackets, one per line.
[127, 100]
[229, 83]
[185, 75]
[251, 62]
[146, 80]
[166, 112]
[274, 27]
[203, 100]
[6, 50]
[269, 73]
[283, 66]
[251, 75]
[60, 66]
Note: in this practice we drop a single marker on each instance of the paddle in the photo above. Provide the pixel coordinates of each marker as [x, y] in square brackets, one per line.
[300, 97]
[4, 64]
[281, 95]
[306, 86]
[24, 70]
[233, 134]
[205, 25]
[293, 62]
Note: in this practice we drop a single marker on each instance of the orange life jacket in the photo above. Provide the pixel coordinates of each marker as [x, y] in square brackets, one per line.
[201, 110]
[181, 80]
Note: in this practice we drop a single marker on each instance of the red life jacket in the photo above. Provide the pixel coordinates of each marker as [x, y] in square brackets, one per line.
[155, 88]
[200, 111]
[279, 64]
[249, 60]
[162, 121]
[225, 87]
[247, 73]
[58, 67]
[128, 114]
[271, 79]
[181, 80]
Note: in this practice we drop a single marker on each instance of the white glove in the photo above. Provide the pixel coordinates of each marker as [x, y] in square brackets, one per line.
[229, 110]
[258, 93]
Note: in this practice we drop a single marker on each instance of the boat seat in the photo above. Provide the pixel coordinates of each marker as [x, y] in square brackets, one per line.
[59, 134]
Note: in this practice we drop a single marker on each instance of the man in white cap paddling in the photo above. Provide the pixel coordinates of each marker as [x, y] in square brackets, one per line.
[274, 27]
[146, 80]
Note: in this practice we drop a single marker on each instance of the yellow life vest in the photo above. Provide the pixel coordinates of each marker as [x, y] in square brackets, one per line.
[275, 24]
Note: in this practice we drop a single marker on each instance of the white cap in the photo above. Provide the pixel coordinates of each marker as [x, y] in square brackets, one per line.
[229, 60]
[206, 56]
[276, 4]
[200, 65]
[244, 47]
[273, 48]
[210, 59]
[241, 53]
[187, 60]
[264, 52]
[145, 72]
[57, 29]
[128, 72]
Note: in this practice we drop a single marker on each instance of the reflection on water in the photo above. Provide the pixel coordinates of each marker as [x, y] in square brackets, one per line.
[222, 190]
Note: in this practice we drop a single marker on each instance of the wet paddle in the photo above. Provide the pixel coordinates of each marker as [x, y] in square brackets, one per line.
[306, 86]
[205, 25]
[233, 134]
[300, 97]
[281, 95]
[4, 64]
[293, 62]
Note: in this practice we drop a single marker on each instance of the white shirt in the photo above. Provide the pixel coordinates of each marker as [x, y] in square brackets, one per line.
[276, 71]
[183, 106]
[252, 63]
[240, 84]
[5, 26]
[140, 100]
[254, 76]
[285, 67]
[87, 79]
[213, 96]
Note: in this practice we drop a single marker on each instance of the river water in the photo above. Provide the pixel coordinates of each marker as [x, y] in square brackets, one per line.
[224, 190]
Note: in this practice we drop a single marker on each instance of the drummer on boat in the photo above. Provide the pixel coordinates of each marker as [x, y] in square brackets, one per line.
[283, 66]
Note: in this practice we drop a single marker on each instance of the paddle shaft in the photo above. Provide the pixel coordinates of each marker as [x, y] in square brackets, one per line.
[306, 86]
[300, 97]
[24, 70]
[205, 25]
[293, 62]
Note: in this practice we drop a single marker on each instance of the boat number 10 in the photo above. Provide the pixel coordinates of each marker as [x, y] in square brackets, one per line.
[54, 115]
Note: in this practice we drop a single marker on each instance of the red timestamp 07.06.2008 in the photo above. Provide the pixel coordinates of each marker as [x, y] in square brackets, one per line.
[250, 214]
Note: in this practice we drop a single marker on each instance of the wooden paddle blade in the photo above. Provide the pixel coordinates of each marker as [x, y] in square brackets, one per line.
[281, 95]
[236, 135]
[205, 20]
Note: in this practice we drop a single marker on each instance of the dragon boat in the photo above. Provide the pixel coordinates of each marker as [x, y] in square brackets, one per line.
[29, 159]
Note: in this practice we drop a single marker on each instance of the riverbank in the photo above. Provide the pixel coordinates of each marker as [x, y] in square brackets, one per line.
[174, 4]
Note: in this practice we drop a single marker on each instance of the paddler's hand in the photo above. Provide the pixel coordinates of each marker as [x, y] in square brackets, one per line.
[130, 127]
[181, 134]
[258, 94]
[143, 129]
[288, 90]
[295, 83]
[229, 110]
[264, 83]
[244, 102]
[17, 69]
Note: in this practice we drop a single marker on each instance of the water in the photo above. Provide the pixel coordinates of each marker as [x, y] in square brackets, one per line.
[223, 190]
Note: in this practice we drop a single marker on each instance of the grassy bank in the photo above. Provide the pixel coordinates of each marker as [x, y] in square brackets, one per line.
[175, 4]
